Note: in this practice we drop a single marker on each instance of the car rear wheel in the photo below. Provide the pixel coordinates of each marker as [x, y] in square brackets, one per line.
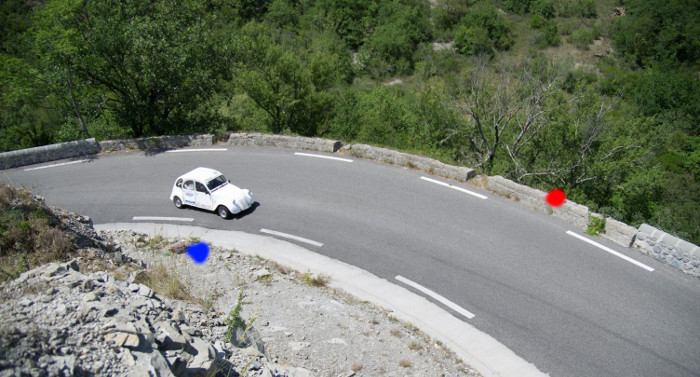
[223, 212]
[177, 202]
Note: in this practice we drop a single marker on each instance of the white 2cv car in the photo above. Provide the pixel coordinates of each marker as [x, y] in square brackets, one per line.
[208, 189]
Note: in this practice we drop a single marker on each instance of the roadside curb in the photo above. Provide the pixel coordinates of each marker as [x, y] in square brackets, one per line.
[481, 351]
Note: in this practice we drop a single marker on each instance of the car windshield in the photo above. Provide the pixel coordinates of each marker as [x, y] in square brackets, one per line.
[216, 183]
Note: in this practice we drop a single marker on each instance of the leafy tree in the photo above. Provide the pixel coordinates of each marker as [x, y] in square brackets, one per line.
[154, 61]
[473, 40]
[517, 6]
[389, 49]
[447, 13]
[287, 79]
[659, 32]
[483, 16]
[350, 19]
[544, 8]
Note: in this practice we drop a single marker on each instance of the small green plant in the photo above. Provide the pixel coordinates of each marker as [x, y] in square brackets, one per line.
[155, 242]
[414, 346]
[234, 320]
[315, 280]
[596, 225]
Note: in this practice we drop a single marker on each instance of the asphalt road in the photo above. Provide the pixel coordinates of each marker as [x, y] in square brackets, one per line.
[570, 308]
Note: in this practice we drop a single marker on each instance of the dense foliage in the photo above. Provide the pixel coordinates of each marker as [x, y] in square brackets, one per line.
[550, 93]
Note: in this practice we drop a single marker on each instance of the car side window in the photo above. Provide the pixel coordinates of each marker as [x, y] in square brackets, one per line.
[179, 183]
[189, 185]
[201, 188]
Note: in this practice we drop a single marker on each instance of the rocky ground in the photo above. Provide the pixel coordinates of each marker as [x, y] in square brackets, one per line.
[100, 316]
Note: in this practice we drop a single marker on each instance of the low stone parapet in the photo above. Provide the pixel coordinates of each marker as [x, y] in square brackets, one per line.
[669, 249]
[425, 164]
[297, 142]
[47, 153]
[156, 142]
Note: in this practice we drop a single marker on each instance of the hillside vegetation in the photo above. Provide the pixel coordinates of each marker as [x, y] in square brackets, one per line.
[598, 97]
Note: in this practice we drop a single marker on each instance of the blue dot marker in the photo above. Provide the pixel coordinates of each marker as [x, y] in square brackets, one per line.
[198, 252]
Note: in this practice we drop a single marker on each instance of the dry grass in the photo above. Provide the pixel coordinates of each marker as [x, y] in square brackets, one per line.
[161, 281]
[30, 233]
[405, 363]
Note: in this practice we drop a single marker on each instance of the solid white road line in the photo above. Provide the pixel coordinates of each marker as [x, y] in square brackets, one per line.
[291, 237]
[322, 156]
[454, 187]
[198, 150]
[436, 296]
[611, 251]
[156, 218]
[54, 165]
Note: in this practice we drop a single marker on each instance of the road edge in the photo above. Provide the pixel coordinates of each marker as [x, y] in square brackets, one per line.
[478, 349]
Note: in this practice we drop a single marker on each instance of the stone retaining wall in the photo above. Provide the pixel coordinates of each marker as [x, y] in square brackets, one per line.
[298, 142]
[46, 153]
[571, 212]
[157, 143]
[669, 249]
[425, 164]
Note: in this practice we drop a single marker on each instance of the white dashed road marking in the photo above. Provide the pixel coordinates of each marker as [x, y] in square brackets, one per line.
[454, 187]
[609, 250]
[55, 165]
[441, 299]
[157, 218]
[322, 156]
[291, 237]
[198, 150]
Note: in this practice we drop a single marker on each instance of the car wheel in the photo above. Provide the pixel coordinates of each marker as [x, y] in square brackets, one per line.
[177, 202]
[223, 212]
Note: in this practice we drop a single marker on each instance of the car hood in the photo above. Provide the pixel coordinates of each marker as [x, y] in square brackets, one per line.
[230, 191]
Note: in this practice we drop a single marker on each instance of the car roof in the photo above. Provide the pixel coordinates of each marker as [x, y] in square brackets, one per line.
[201, 174]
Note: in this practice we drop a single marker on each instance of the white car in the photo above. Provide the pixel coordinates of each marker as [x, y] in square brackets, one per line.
[208, 189]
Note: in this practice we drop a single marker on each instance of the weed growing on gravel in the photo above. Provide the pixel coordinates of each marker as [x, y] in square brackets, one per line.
[405, 363]
[156, 242]
[315, 280]
[414, 346]
[234, 320]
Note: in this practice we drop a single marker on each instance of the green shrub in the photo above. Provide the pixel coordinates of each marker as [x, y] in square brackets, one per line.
[596, 225]
[549, 35]
[482, 30]
[577, 8]
[545, 8]
[583, 37]
[537, 21]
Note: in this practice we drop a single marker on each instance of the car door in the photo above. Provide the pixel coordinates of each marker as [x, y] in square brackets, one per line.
[189, 193]
[203, 196]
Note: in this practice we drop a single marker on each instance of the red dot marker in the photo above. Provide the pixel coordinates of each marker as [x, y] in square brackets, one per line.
[556, 197]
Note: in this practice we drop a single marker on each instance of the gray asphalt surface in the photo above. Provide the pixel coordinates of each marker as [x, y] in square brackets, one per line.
[562, 304]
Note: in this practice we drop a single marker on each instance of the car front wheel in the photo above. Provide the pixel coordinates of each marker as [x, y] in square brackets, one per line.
[177, 202]
[223, 212]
